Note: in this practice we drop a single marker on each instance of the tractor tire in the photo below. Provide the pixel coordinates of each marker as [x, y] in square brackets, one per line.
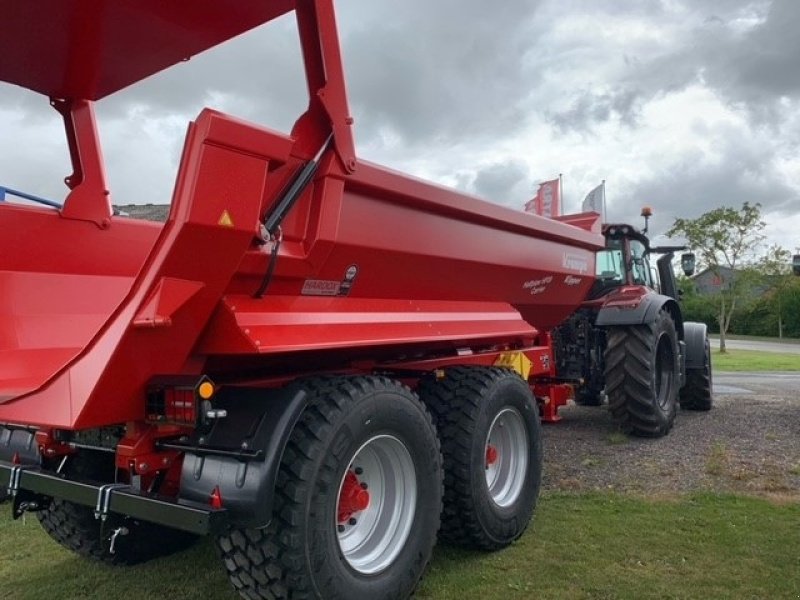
[75, 527]
[491, 438]
[642, 376]
[357, 501]
[698, 393]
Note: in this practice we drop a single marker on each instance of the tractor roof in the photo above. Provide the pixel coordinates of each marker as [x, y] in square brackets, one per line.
[88, 49]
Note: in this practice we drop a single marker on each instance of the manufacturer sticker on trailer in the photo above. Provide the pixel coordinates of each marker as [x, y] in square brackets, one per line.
[320, 287]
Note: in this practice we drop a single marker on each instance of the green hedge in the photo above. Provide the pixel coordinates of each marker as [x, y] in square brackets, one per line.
[758, 317]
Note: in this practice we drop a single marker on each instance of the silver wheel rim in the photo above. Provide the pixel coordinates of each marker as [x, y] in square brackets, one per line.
[506, 457]
[370, 537]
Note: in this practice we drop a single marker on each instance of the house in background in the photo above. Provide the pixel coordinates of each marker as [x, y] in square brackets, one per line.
[709, 283]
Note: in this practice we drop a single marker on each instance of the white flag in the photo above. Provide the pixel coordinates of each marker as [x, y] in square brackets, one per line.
[594, 200]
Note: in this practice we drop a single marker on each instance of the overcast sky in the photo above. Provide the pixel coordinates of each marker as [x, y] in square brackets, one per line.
[684, 105]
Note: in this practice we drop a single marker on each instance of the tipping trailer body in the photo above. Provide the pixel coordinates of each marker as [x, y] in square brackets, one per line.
[283, 257]
[93, 305]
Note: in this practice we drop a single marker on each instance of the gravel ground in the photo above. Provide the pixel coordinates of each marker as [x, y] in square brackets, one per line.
[748, 443]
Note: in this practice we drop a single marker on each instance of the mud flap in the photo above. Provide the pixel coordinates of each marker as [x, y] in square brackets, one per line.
[238, 460]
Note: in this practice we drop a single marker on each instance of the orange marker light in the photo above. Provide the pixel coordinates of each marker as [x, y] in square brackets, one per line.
[205, 390]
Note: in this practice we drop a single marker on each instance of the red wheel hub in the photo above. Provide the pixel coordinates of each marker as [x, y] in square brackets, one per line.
[352, 499]
[491, 455]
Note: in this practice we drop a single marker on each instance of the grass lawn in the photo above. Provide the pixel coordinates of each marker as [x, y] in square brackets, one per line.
[752, 360]
[580, 546]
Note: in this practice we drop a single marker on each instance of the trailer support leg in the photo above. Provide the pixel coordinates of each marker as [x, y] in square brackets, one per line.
[554, 396]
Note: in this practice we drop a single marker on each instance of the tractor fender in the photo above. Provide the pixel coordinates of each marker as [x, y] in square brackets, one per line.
[238, 460]
[695, 336]
[645, 311]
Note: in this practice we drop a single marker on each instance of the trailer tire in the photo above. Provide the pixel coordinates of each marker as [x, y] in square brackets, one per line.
[326, 539]
[486, 506]
[698, 393]
[642, 376]
[75, 527]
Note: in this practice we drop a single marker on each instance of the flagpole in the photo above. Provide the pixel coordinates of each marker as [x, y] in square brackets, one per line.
[560, 194]
[605, 213]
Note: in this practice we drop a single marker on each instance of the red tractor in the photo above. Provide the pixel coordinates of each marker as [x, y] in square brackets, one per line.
[629, 343]
[316, 360]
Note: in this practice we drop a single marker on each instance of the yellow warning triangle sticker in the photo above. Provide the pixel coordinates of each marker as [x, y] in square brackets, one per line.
[225, 219]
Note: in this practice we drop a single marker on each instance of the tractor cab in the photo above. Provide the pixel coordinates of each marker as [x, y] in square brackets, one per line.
[628, 260]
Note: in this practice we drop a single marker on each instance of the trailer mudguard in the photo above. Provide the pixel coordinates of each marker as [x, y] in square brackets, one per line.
[695, 335]
[238, 459]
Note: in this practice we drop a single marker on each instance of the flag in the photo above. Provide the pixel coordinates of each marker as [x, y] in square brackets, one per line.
[594, 200]
[547, 200]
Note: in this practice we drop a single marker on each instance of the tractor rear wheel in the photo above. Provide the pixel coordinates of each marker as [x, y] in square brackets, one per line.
[698, 392]
[357, 501]
[642, 376]
[489, 427]
[75, 527]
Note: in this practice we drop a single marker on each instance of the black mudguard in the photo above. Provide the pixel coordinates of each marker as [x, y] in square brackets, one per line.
[695, 335]
[646, 312]
[257, 426]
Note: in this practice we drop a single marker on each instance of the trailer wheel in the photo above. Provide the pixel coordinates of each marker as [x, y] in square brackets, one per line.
[698, 392]
[74, 526]
[489, 426]
[357, 501]
[642, 376]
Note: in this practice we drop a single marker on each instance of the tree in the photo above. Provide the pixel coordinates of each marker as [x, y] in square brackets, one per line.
[725, 237]
[775, 266]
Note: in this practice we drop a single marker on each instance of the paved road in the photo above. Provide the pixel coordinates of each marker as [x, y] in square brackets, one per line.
[749, 383]
[786, 348]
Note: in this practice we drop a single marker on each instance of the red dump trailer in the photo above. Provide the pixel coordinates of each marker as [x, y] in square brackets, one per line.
[316, 359]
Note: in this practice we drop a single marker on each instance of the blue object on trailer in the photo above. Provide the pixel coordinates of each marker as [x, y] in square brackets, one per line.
[24, 196]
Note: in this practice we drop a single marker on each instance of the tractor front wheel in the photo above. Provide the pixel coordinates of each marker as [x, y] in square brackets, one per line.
[642, 376]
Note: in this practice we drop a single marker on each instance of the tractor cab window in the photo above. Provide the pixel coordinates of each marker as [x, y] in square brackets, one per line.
[640, 267]
[656, 278]
[610, 265]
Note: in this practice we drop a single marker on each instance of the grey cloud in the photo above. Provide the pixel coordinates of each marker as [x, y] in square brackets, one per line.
[697, 183]
[754, 69]
[441, 71]
[588, 108]
[505, 183]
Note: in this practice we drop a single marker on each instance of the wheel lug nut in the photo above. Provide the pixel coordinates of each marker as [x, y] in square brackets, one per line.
[364, 485]
[359, 470]
[340, 528]
[352, 521]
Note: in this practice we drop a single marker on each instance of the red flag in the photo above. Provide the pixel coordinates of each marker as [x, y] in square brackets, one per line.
[546, 201]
